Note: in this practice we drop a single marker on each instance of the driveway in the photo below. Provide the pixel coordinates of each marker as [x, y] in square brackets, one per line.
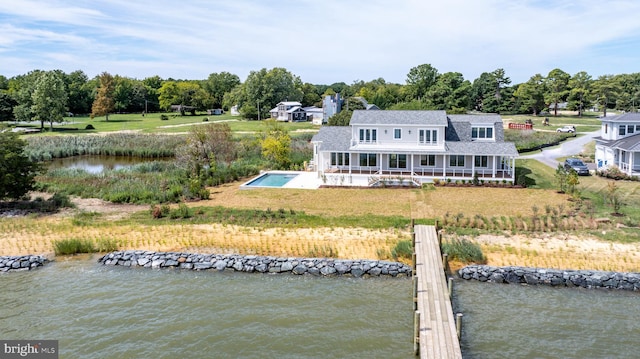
[566, 148]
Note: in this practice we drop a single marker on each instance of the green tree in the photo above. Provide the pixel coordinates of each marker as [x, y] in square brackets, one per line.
[206, 146]
[276, 144]
[79, 91]
[531, 95]
[605, 91]
[573, 180]
[17, 171]
[104, 102]
[7, 103]
[451, 92]
[580, 92]
[218, 84]
[49, 99]
[264, 89]
[561, 178]
[557, 88]
[420, 79]
[487, 92]
[20, 88]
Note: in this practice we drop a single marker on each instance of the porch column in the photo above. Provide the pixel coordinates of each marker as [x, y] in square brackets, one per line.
[444, 165]
[473, 165]
[494, 166]
[350, 160]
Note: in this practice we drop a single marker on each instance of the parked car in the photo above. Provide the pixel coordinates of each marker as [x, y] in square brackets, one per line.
[567, 129]
[574, 164]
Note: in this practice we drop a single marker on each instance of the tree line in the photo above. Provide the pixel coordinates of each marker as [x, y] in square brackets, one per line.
[48, 96]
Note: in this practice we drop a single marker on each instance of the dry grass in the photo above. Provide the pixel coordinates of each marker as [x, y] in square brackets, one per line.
[414, 203]
[36, 235]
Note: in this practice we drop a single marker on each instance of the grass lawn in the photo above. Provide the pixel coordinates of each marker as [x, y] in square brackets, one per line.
[151, 123]
[587, 123]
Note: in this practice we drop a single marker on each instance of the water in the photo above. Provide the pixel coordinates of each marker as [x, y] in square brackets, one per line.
[513, 321]
[106, 312]
[272, 180]
[96, 164]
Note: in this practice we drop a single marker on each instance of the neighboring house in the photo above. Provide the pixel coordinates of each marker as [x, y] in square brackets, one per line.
[314, 114]
[288, 111]
[413, 146]
[330, 106]
[234, 110]
[619, 143]
[367, 105]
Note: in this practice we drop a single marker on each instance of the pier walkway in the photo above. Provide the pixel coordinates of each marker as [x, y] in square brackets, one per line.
[437, 337]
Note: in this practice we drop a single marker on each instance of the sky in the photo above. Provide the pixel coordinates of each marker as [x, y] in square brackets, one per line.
[322, 42]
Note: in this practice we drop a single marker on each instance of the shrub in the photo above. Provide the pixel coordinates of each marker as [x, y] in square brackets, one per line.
[464, 251]
[89, 127]
[73, 246]
[164, 117]
[403, 249]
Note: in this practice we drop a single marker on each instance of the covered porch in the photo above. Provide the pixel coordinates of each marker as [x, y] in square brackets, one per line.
[417, 168]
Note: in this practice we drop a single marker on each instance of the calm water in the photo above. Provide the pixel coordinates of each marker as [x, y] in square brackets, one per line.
[96, 164]
[106, 312]
[513, 321]
[272, 180]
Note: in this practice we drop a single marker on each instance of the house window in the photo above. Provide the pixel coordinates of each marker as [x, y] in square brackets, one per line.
[428, 137]
[481, 161]
[397, 133]
[622, 130]
[606, 127]
[637, 128]
[482, 133]
[630, 129]
[368, 160]
[428, 160]
[456, 161]
[397, 161]
[339, 159]
[368, 135]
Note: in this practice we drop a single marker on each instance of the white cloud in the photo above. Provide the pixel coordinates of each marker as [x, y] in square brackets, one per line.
[320, 41]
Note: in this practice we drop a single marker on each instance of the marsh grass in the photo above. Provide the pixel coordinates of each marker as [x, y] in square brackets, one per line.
[463, 250]
[74, 246]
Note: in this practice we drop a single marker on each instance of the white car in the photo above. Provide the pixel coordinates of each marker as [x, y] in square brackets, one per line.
[567, 129]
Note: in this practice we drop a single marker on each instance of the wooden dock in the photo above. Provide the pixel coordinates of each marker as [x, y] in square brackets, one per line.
[436, 335]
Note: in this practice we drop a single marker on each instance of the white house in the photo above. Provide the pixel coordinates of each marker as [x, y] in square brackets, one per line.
[315, 114]
[619, 143]
[413, 146]
[288, 111]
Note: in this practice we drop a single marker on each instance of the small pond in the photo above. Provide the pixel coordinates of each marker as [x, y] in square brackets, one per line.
[97, 164]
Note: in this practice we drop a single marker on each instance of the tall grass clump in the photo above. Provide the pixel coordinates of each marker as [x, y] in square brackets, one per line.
[464, 251]
[73, 246]
[43, 148]
[403, 249]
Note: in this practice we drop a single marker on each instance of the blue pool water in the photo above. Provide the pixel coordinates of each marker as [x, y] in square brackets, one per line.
[271, 180]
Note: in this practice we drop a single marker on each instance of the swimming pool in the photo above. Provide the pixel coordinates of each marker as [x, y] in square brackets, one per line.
[271, 179]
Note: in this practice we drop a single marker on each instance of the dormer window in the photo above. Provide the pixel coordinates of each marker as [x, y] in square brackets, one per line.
[481, 133]
[397, 134]
[622, 130]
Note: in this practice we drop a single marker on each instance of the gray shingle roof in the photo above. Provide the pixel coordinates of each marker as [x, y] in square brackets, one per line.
[333, 138]
[625, 117]
[630, 143]
[363, 117]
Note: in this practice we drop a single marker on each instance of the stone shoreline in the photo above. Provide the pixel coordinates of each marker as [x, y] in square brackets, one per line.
[21, 263]
[553, 277]
[256, 264]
